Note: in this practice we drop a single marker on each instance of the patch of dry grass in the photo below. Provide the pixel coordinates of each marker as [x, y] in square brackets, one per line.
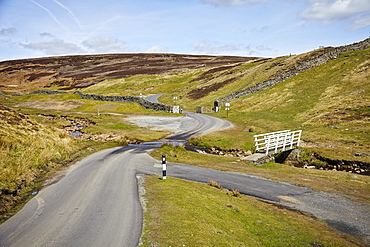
[28, 151]
[214, 184]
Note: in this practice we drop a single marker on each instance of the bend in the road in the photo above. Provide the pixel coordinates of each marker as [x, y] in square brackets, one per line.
[96, 203]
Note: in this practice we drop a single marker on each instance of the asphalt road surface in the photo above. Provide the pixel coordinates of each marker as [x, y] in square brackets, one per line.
[96, 202]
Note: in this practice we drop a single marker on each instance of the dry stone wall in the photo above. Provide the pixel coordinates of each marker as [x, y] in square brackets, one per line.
[49, 92]
[41, 91]
[127, 99]
[113, 98]
[330, 54]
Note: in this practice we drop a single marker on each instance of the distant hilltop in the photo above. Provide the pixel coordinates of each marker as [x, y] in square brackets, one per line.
[81, 71]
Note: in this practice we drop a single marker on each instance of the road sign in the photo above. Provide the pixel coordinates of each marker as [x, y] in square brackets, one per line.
[227, 109]
[176, 109]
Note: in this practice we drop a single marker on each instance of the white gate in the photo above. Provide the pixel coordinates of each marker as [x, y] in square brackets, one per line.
[277, 141]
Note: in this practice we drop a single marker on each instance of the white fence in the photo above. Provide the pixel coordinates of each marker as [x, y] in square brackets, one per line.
[277, 141]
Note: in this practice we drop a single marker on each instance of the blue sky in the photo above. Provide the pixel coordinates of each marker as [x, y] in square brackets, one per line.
[262, 28]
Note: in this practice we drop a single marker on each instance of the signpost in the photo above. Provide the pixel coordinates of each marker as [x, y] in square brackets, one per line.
[227, 109]
[176, 109]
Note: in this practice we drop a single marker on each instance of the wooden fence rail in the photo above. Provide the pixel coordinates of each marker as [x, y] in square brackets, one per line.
[277, 141]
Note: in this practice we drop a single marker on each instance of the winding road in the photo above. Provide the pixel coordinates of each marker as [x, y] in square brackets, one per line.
[95, 202]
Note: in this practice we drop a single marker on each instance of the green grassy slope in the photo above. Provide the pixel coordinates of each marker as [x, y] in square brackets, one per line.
[330, 102]
[183, 213]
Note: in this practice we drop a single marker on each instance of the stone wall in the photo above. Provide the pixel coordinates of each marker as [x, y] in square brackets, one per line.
[127, 99]
[49, 92]
[330, 54]
[113, 98]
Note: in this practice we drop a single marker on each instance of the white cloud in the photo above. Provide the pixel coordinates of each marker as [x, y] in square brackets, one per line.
[328, 11]
[360, 23]
[260, 30]
[47, 35]
[54, 47]
[6, 31]
[232, 2]
[156, 49]
[106, 45]
[207, 47]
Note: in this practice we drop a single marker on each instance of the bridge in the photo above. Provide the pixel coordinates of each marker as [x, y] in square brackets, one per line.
[275, 142]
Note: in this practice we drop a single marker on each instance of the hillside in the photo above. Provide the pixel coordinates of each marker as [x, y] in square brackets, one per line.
[71, 72]
[329, 99]
[31, 149]
[28, 150]
[325, 91]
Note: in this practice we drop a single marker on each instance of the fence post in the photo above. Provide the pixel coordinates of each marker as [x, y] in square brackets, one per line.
[164, 166]
[299, 137]
[284, 143]
[267, 145]
[293, 138]
[277, 139]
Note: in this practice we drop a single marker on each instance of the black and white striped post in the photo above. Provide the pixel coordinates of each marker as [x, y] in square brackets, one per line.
[164, 166]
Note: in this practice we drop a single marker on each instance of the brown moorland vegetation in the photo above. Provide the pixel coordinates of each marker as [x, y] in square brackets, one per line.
[70, 72]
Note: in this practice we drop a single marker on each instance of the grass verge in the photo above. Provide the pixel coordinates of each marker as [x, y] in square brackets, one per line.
[184, 213]
[353, 186]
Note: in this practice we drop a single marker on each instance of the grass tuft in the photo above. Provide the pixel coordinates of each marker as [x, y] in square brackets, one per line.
[235, 193]
[214, 184]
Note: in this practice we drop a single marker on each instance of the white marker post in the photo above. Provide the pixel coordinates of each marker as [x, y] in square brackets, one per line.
[164, 166]
[227, 109]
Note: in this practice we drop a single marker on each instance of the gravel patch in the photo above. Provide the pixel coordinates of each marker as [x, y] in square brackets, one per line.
[163, 123]
[345, 215]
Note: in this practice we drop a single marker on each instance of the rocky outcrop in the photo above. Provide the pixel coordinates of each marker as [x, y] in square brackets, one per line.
[234, 152]
[127, 99]
[316, 161]
[308, 64]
